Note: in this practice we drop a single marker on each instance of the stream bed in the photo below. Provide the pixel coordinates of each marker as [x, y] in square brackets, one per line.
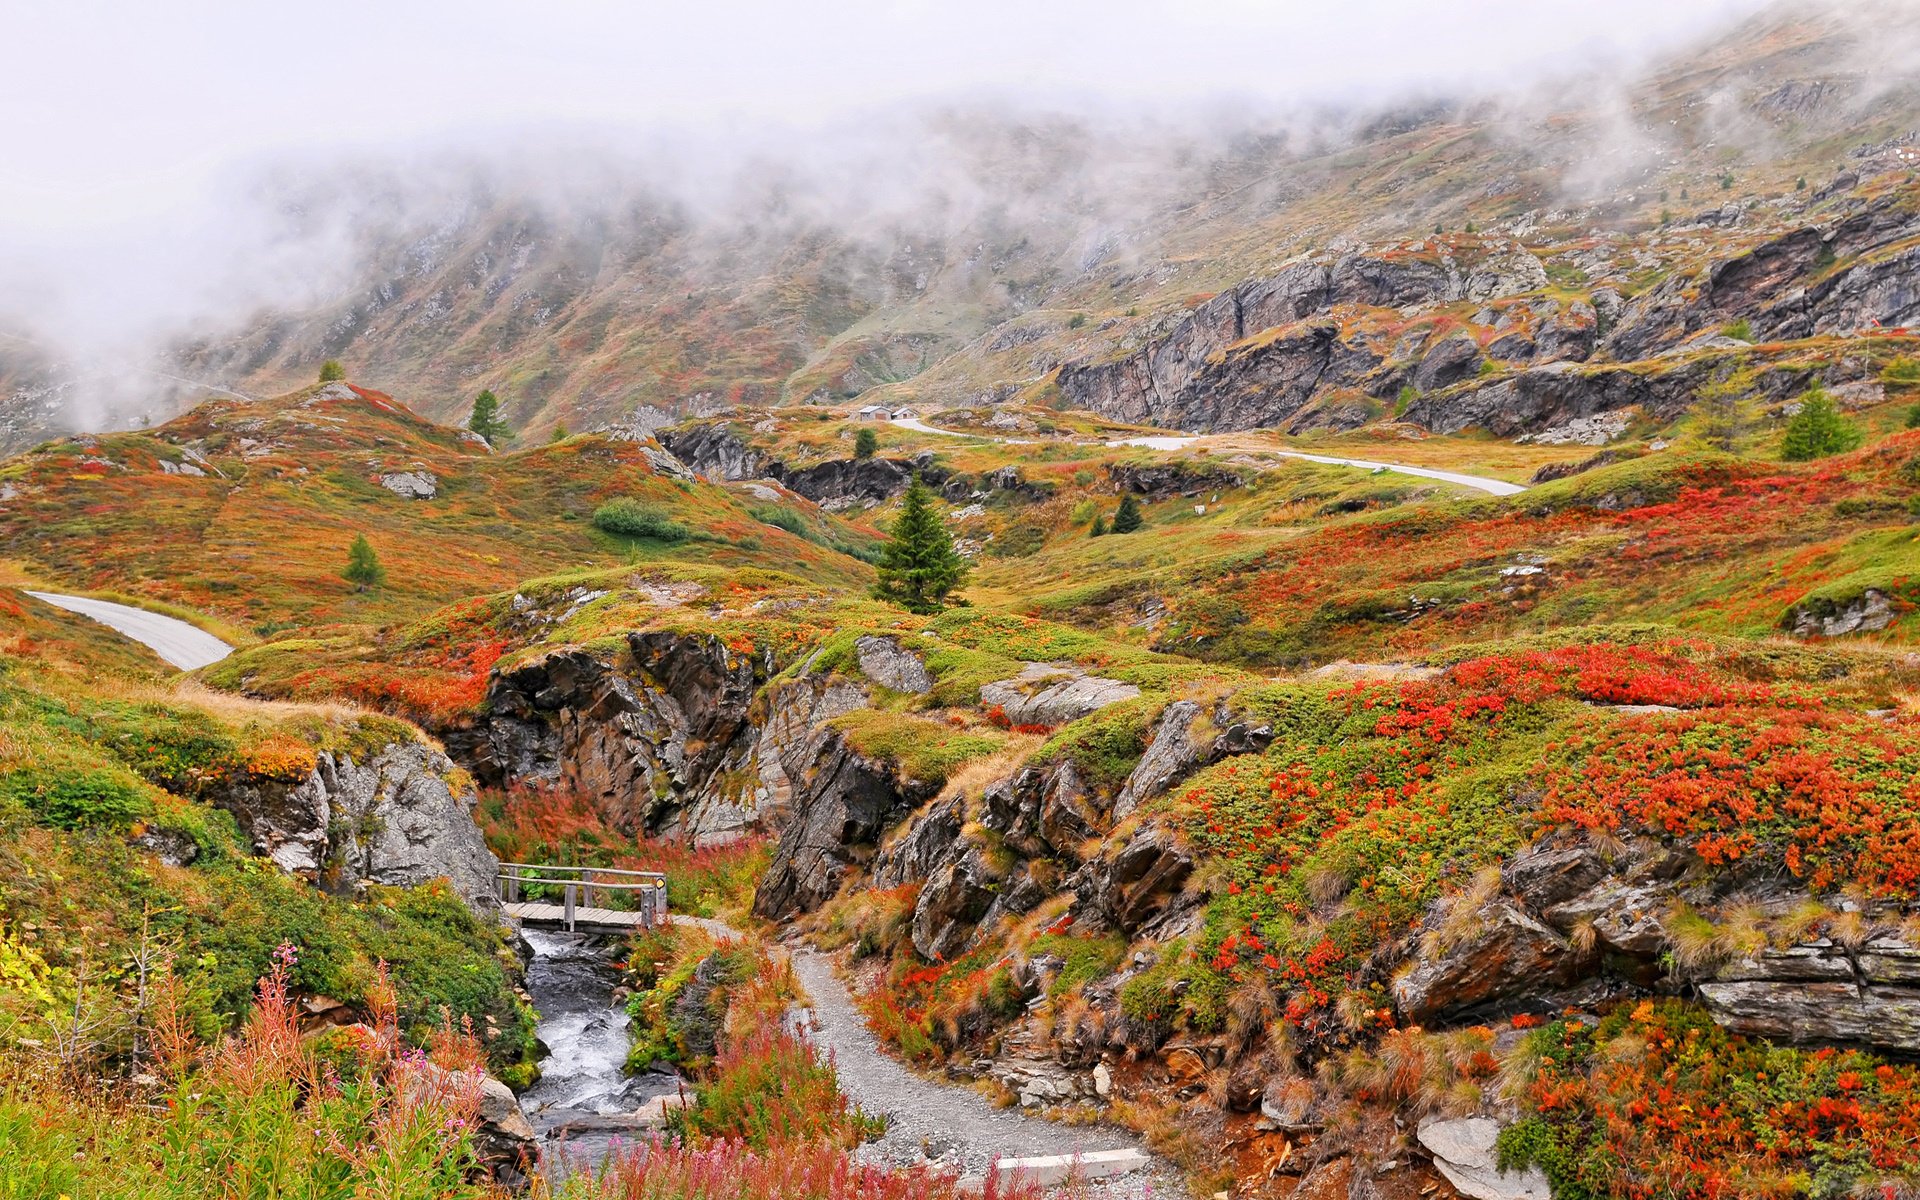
[584, 1102]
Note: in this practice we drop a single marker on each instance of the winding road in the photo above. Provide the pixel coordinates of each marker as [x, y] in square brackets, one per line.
[180, 644]
[1493, 487]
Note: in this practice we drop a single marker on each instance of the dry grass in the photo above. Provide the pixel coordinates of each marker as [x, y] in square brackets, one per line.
[972, 778]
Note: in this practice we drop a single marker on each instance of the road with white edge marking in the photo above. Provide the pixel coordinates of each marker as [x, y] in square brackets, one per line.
[1493, 487]
[180, 644]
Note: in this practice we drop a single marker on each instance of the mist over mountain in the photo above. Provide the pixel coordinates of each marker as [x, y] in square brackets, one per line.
[849, 232]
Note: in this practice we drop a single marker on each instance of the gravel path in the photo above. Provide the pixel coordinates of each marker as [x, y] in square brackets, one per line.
[954, 1125]
[179, 643]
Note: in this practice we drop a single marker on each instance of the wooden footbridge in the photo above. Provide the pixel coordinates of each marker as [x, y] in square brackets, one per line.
[643, 897]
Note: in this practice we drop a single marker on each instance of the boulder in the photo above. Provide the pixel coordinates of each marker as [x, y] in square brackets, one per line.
[1466, 1152]
[1050, 695]
[412, 485]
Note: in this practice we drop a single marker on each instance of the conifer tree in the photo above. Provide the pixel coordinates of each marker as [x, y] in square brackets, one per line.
[1127, 517]
[1099, 526]
[363, 565]
[331, 371]
[865, 443]
[485, 419]
[919, 566]
[1818, 429]
[1724, 412]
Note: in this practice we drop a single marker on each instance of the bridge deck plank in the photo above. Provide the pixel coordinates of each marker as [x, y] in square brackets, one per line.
[528, 913]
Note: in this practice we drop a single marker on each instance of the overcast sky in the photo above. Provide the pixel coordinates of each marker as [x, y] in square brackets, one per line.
[112, 110]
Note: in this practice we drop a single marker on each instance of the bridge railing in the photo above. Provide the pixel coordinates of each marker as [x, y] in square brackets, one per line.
[579, 885]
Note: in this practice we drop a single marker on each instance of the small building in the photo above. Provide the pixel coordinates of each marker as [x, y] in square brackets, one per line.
[872, 412]
[904, 414]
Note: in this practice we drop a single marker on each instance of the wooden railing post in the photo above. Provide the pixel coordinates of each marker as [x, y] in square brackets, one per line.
[569, 907]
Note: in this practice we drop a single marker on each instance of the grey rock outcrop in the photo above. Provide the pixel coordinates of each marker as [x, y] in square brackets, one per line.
[843, 803]
[1173, 751]
[1139, 889]
[883, 660]
[1053, 694]
[394, 819]
[1506, 953]
[1870, 611]
[1823, 993]
[650, 738]
[411, 485]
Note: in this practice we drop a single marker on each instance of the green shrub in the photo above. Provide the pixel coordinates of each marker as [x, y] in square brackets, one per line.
[631, 519]
[1818, 429]
[76, 799]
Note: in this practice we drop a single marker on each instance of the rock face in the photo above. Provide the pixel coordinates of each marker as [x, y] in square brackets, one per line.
[1465, 1152]
[651, 737]
[1284, 351]
[716, 451]
[884, 661]
[1508, 953]
[1870, 611]
[1139, 889]
[1174, 753]
[1518, 951]
[394, 819]
[843, 802]
[1821, 992]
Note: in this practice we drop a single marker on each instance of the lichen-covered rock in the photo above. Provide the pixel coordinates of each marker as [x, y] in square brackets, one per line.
[394, 819]
[412, 485]
[1046, 694]
[887, 663]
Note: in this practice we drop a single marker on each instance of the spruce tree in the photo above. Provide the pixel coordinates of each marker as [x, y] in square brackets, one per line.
[363, 565]
[1818, 429]
[865, 443]
[560, 434]
[1127, 517]
[1099, 526]
[331, 371]
[486, 421]
[919, 566]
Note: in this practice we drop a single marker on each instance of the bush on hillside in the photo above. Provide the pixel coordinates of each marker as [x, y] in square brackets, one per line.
[632, 519]
[1818, 429]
